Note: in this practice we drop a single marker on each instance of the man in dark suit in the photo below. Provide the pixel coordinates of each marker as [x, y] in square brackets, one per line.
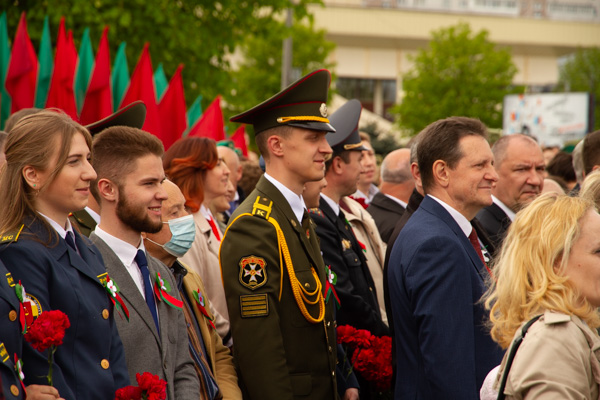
[395, 189]
[272, 268]
[436, 270]
[128, 162]
[341, 250]
[519, 163]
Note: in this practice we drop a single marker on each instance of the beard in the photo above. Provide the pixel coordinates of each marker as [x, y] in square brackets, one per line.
[136, 217]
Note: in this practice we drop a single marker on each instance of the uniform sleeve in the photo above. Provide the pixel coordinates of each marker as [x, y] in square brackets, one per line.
[258, 345]
[354, 310]
[32, 267]
[438, 282]
[552, 363]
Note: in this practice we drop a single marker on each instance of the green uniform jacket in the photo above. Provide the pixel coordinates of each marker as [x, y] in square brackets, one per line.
[279, 354]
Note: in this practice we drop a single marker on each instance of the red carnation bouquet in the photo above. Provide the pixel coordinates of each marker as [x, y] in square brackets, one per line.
[371, 355]
[47, 332]
[150, 387]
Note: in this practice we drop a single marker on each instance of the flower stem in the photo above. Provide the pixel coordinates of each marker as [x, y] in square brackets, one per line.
[51, 351]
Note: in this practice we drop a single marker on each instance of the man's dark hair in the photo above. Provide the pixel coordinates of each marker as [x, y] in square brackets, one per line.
[344, 155]
[591, 151]
[440, 141]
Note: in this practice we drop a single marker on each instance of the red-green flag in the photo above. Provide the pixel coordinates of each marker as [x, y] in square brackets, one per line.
[210, 124]
[160, 82]
[22, 69]
[84, 68]
[141, 87]
[171, 110]
[120, 76]
[4, 60]
[46, 66]
[61, 94]
[98, 101]
[194, 113]
[239, 139]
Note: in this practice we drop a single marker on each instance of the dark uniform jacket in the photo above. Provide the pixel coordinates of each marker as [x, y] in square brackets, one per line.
[279, 353]
[166, 355]
[355, 287]
[11, 338]
[90, 364]
[386, 212]
[495, 222]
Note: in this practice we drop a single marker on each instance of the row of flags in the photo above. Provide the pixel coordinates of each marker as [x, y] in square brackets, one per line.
[88, 89]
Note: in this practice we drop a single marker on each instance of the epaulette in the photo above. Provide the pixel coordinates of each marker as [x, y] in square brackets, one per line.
[316, 211]
[11, 236]
[262, 207]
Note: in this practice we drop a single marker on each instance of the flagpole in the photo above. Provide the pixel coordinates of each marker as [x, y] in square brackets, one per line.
[286, 61]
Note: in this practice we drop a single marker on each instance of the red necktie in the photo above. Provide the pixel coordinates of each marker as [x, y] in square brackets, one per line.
[214, 228]
[475, 243]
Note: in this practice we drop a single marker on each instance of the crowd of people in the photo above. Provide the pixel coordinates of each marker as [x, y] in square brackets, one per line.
[227, 280]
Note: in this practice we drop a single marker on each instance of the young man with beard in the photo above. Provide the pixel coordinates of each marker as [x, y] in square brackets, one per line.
[130, 193]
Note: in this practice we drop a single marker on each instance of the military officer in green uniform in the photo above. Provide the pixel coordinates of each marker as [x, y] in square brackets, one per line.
[273, 271]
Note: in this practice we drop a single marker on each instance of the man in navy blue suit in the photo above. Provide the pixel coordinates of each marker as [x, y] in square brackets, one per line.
[437, 272]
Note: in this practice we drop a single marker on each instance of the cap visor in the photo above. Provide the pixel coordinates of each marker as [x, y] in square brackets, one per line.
[313, 125]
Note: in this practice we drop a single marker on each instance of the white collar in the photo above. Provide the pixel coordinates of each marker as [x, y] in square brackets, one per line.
[122, 249]
[93, 214]
[296, 202]
[334, 206]
[397, 200]
[62, 232]
[460, 219]
[509, 213]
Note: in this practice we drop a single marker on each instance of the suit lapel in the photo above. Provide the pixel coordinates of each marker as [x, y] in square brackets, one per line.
[6, 291]
[128, 289]
[430, 205]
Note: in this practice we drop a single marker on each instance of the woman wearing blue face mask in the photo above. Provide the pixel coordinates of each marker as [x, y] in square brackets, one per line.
[172, 242]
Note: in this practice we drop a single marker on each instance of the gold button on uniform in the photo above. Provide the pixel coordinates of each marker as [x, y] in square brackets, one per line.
[12, 315]
[105, 314]
[14, 390]
[104, 364]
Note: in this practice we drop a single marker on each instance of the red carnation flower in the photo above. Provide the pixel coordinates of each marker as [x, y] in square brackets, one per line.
[154, 387]
[48, 330]
[129, 393]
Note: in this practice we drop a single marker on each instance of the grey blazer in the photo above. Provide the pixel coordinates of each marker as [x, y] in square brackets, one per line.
[167, 356]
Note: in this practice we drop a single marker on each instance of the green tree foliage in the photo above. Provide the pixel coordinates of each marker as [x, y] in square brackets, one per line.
[581, 73]
[460, 73]
[197, 33]
[258, 77]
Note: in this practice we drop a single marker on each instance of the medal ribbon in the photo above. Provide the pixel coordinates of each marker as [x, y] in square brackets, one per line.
[200, 304]
[20, 290]
[161, 294]
[330, 287]
[113, 293]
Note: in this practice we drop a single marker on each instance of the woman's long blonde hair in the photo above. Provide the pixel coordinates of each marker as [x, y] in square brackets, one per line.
[530, 270]
[33, 141]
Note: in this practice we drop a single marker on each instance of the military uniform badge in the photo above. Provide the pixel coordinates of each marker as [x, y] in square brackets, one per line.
[253, 272]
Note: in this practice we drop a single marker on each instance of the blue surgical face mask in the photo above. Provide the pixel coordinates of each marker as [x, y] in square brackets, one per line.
[183, 231]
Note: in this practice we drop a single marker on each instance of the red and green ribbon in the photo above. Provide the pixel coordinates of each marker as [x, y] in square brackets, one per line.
[19, 370]
[160, 290]
[113, 293]
[21, 295]
[330, 287]
[202, 307]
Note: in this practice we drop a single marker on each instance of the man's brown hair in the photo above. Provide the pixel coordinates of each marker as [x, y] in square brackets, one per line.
[116, 151]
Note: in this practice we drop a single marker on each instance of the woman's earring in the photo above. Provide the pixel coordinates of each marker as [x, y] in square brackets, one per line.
[34, 185]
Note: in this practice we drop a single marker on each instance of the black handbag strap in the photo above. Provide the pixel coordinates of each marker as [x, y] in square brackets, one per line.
[512, 353]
